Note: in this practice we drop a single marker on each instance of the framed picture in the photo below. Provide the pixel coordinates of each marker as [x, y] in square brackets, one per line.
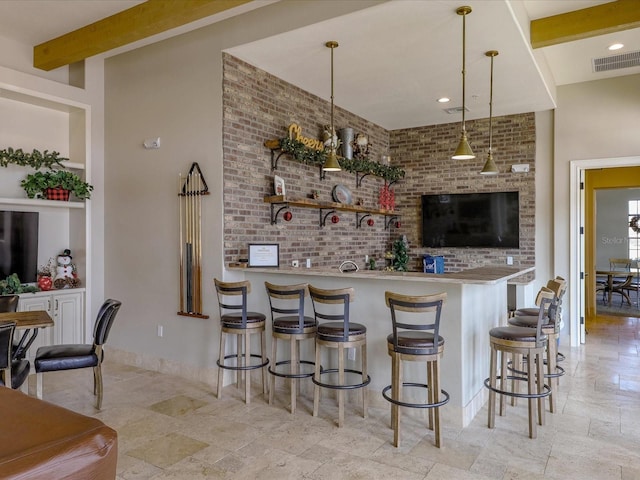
[264, 255]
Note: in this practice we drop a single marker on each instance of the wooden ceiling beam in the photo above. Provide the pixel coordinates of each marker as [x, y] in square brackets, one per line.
[589, 22]
[136, 23]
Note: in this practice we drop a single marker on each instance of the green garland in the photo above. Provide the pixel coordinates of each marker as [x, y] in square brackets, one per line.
[35, 159]
[309, 156]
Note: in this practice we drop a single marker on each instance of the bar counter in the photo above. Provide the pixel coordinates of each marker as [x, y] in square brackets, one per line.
[476, 302]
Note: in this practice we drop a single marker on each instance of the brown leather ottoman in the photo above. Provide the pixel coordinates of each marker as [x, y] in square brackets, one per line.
[39, 440]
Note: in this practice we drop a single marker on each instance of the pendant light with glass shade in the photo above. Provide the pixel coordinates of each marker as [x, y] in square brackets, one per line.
[463, 152]
[490, 167]
[331, 164]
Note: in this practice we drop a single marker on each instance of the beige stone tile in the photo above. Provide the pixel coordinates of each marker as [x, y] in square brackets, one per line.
[348, 466]
[570, 466]
[448, 472]
[177, 406]
[167, 450]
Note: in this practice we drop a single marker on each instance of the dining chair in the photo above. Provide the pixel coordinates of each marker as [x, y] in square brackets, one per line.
[9, 303]
[54, 358]
[634, 285]
[623, 282]
[13, 372]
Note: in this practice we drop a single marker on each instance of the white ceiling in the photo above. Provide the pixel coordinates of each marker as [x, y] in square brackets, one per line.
[395, 59]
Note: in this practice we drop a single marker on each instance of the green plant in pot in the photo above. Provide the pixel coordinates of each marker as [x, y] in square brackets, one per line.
[48, 185]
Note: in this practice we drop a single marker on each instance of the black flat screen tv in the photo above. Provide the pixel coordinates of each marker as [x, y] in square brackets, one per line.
[482, 220]
[19, 245]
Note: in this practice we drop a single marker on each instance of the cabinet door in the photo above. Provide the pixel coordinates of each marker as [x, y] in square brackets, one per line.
[29, 303]
[68, 318]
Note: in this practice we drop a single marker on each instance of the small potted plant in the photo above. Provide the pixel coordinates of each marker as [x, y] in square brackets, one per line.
[56, 185]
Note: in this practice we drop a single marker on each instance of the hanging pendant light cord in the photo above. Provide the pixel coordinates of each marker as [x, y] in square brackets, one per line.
[333, 146]
[491, 104]
[464, 36]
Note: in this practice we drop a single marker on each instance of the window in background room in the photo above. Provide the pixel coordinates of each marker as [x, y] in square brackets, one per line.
[634, 229]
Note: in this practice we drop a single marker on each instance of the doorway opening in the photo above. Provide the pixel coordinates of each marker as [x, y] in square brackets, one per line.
[586, 177]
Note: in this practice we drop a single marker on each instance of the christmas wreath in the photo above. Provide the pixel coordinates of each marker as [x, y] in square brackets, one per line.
[634, 223]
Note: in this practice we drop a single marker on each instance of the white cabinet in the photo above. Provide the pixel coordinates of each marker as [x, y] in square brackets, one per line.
[66, 308]
[68, 320]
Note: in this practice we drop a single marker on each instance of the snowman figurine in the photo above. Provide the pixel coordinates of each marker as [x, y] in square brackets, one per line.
[65, 272]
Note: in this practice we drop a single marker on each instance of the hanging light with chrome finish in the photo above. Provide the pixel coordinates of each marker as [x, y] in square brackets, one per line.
[490, 167]
[331, 164]
[463, 152]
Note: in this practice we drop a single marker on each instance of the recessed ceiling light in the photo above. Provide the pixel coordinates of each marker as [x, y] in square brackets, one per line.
[444, 100]
[616, 46]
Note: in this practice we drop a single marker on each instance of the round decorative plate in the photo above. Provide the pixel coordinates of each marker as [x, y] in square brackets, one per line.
[341, 194]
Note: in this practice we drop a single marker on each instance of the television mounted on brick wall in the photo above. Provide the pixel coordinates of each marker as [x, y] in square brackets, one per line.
[480, 220]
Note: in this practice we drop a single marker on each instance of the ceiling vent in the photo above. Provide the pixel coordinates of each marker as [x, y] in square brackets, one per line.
[615, 62]
[453, 110]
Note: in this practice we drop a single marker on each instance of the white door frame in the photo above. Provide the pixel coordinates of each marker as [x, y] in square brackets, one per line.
[576, 255]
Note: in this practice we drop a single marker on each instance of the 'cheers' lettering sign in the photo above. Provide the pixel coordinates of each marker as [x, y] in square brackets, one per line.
[295, 133]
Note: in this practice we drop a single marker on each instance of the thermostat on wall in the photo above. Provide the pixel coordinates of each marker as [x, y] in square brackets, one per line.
[520, 168]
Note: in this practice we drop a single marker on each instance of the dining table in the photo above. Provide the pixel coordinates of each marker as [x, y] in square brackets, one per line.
[611, 275]
[29, 322]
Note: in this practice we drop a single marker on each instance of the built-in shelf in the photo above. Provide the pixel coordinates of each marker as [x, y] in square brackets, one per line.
[281, 202]
[33, 202]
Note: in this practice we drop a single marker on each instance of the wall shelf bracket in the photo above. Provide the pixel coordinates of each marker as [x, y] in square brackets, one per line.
[388, 223]
[274, 213]
[275, 158]
[360, 219]
[323, 216]
[359, 179]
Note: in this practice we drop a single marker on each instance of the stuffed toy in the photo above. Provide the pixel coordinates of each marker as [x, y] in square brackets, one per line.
[66, 276]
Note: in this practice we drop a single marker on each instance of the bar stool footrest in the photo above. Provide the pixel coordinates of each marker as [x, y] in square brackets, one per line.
[351, 386]
[243, 367]
[559, 371]
[546, 389]
[273, 371]
[444, 401]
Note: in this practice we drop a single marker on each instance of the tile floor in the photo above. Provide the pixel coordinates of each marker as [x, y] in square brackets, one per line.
[169, 428]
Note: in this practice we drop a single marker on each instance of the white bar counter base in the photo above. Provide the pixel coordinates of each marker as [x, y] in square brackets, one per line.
[476, 302]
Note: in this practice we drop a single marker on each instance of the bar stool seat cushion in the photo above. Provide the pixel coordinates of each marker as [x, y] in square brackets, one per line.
[333, 331]
[65, 357]
[416, 342]
[528, 321]
[291, 324]
[234, 320]
[516, 334]
[527, 312]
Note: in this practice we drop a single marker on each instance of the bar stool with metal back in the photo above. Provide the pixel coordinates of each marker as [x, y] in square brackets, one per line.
[289, 323]
[242, 323]
[551, 328]
[530, 343]
[415, 338]
[338, 332]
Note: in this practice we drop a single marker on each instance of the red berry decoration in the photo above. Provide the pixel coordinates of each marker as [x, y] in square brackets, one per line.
[335, 219]
[370, 222]
[287, 216]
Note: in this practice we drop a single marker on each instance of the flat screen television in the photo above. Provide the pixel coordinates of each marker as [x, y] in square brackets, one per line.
[19, 245]
[487, 220]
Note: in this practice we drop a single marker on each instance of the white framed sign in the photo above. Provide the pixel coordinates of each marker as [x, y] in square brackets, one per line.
[264, 255]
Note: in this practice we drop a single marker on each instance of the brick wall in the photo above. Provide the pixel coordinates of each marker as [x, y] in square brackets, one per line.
[259, 107]
[425, 154]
